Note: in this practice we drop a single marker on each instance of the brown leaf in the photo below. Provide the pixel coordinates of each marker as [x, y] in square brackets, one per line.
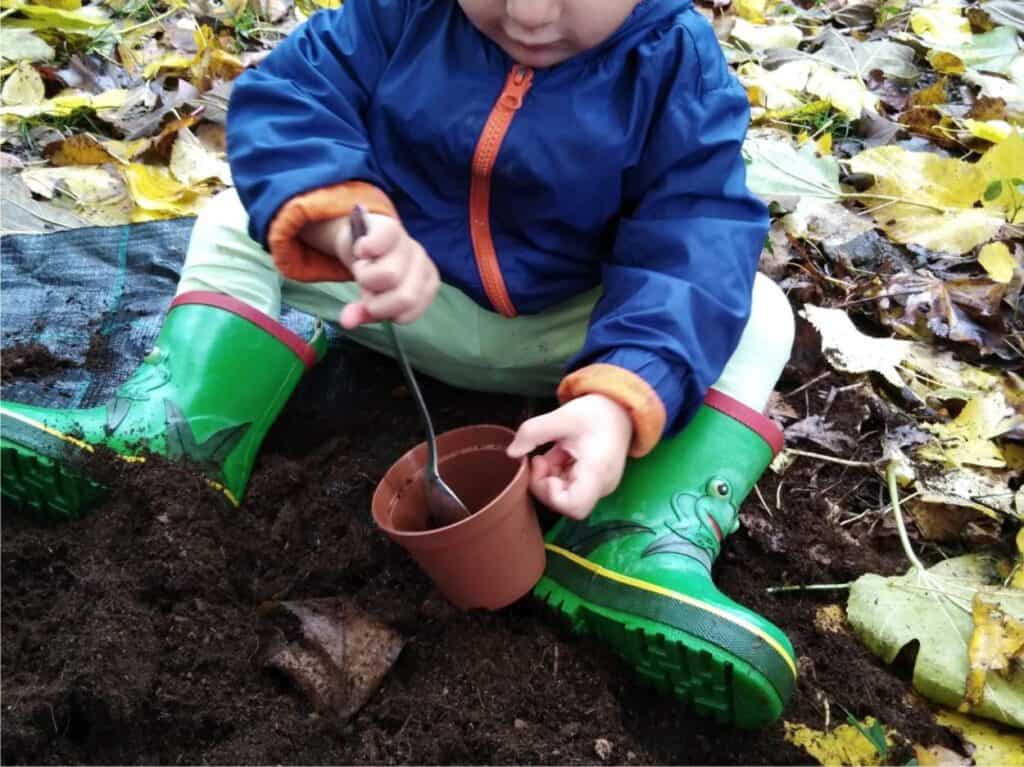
[817, 430]
[332, 650]
[930, 96]
[988, 108]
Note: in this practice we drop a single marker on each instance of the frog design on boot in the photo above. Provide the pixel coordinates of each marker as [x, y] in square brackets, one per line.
[636, 574]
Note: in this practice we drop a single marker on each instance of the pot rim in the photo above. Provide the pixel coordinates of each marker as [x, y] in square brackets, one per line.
[475, 523]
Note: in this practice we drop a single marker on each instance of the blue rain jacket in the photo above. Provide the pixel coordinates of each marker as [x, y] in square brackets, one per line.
[622, 168]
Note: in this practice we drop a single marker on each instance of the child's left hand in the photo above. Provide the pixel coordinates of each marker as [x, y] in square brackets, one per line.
[592, 435]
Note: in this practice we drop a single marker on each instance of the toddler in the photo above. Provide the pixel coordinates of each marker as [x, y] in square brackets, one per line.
[557, 206]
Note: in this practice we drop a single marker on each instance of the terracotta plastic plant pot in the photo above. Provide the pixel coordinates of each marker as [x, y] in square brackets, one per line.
[493, 557]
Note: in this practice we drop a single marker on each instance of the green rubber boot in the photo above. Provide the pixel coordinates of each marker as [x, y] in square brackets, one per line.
[637, 572]
[217, 377]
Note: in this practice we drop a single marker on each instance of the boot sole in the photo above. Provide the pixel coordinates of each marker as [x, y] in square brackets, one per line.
[668, 646]
[44, 487]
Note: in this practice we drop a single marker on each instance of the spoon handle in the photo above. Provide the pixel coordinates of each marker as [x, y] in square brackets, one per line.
[357, 222]
[410, 379]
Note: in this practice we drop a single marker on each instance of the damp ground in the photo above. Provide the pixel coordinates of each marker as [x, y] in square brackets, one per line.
[131, 635]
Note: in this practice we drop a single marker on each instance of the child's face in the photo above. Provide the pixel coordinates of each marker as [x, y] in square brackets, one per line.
[542, 33]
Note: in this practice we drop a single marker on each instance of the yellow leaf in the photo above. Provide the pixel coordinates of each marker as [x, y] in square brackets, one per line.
[946, 63]
[989, 130]
[1005, 162]
[172, 61]
[934, 198]
[830, 619]
[995, 259]
[844, 745]
[997, 642]
[65, 5]
[993, 746]
[192, 163]
[825, 144]
[751, 10]
[23, 87]
[759, 37]
[157, 194]
[941, 23]
[39, 16]
[968, 438]
[930, 96]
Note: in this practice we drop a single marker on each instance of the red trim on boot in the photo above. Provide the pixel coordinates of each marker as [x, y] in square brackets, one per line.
[302, 350]
[761, 424]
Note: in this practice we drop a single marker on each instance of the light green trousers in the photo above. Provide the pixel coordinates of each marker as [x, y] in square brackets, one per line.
[456, 340]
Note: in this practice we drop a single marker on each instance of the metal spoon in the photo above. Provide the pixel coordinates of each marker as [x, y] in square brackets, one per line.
[443, 505]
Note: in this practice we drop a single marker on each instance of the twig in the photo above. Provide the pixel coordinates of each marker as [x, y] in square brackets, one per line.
[761, 498]
[809, 587]
[831, 459]
[808, 384]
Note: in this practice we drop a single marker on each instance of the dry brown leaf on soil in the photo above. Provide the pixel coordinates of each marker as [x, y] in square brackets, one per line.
[334, 652]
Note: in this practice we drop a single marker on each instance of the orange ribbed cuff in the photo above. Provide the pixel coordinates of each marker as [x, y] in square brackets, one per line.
[299, 261]
[625, 387]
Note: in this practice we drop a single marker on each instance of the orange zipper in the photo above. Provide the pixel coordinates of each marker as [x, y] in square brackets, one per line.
[511, 98]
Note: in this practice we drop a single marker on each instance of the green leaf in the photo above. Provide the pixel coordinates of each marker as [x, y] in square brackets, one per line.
[993, 190]
[778, 171]
[933, 610]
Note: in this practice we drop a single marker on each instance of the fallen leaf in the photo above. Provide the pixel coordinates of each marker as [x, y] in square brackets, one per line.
[990, 746]
[157, 194]
[843, 745]
[967, 439]
[921, 198]
[90, 18]
[858, 59]
[938, 756]
[849, 350]
[830, 619]
[817, 430]
[824, 221]
[77, 150]
[1008, 12]
[989, 130]
[933, 610]
[192, 163]
[995, 258]
[993, 51]
[802, 77]
[996, 644]
[333, 651]
[23, 87]
[751, 10]
[80, 183]
[778, 171]
[23, 45]
[941, 23]
[760, 37]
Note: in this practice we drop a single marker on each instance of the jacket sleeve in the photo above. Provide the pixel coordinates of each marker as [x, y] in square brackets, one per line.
[297, 143]
[677, 284]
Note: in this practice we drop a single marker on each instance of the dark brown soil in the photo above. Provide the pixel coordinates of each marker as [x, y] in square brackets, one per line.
[29, 360]
[130, 636]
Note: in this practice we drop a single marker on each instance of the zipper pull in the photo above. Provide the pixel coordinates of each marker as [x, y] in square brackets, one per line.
[516, 86]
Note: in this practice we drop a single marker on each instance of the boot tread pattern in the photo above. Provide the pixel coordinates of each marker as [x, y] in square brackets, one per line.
[701, 676]
[40, 484]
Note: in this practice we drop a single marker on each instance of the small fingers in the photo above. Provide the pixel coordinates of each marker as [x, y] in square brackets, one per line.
[382, 238]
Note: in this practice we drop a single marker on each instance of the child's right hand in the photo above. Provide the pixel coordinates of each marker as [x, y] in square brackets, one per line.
[397, 277]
